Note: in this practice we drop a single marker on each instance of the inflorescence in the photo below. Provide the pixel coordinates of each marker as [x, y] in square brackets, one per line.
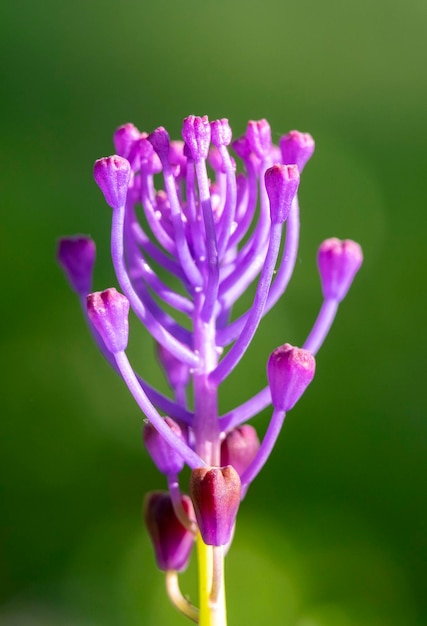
[212, 234]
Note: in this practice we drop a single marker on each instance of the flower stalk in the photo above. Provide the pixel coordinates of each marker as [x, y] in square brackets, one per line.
[215, 233]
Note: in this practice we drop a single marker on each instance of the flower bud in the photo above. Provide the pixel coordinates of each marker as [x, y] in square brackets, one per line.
[296, 148]
[281, 183]
[215, 493]
[289, 371]
[172, 542]
[338, 262]
[77, 258]
[258, 135]
[108, 311]
[196, 132]
[124, 139]
[159, 139]
[112, 175]
[166, 459]
[240, 447]
[221, 132]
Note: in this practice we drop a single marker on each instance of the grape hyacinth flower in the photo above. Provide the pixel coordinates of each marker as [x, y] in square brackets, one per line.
[212, 232]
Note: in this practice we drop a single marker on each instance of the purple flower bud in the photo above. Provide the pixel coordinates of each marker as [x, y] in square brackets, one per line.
[281, 183]
[77, 258]
[338, 262]
[296, 148]
[289, 371]
[215, 493]
[177, 373]
[108, 311]
[150, 161]
[221, 132]
[240, 447]
[241, 147]
[166, 459]
[176, 156]
[159, 139]
[112, 175]
[172, 542]
[258, 135]
[196, 132]
[125, 138]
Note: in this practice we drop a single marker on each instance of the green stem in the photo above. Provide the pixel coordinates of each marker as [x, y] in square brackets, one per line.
[212, 610]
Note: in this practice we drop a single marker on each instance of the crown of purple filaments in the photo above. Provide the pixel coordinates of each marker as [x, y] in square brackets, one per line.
[215, 235]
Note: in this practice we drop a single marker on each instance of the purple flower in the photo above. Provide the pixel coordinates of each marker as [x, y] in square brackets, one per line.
[207, 234]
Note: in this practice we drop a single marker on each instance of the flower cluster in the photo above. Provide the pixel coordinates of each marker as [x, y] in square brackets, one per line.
[212, 232]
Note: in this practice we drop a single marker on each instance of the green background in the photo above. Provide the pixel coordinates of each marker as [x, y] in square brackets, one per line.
[333, 532]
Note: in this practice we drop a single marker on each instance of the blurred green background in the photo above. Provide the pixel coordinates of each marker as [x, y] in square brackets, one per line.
[333, 532]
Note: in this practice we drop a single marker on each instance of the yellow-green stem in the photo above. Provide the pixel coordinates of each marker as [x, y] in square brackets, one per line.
[212, 613]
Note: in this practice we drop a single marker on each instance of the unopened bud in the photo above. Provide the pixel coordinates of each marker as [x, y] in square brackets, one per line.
[108, 311]
[172, 542]
[215, 493]
[338, 262]
[240, 447]
[166, 459]
[289, 370]
[76, 256]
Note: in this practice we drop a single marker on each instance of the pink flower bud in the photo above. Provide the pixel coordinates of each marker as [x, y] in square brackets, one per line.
[258, 135]
[338, 262]
[166, 459]
[215, 493]
[172, 542]
[281, 183]
[289, 371]
[108, 311]
[112, 175]
[77, 258]
[240, 447]
[124, 139]
[296, 148]
[196, 132]
[221, 132]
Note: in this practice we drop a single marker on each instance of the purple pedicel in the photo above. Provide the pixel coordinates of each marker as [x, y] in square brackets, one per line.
[189, 236]
[76, 255]
[172, 542]
[215, 493]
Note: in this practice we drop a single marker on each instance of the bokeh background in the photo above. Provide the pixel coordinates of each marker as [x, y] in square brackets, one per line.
[333, 532]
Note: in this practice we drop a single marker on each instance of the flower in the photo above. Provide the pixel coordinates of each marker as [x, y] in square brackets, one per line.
[213, 232]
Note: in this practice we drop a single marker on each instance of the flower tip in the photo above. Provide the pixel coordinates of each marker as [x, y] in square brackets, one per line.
[296, 148]
[76, 255]
[289, 371]
[215, 492]
[281, 182]
[112, 175]
[108, 311]
[338, 262]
